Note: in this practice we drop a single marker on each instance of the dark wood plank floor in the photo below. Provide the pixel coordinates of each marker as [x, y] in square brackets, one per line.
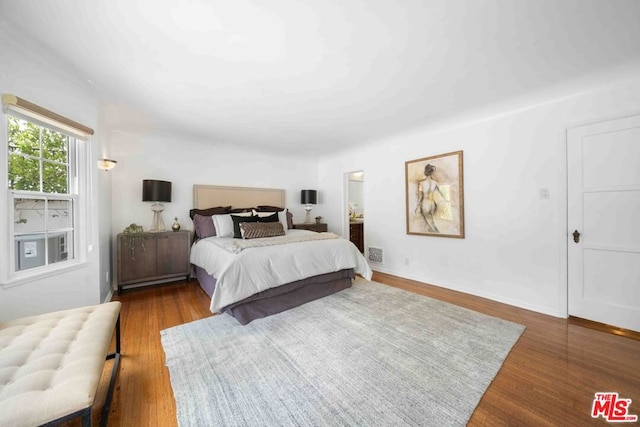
[548, 379]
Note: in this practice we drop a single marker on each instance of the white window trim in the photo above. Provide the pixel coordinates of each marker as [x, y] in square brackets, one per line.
[9, 278]
[4, 207]
[39, 273]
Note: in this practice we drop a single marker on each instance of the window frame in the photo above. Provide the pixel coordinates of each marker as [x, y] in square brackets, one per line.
[78, 189]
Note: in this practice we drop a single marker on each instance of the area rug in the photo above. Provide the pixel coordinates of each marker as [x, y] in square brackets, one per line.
[371, 355]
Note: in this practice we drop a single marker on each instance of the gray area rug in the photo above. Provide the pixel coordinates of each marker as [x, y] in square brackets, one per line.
[370, 355]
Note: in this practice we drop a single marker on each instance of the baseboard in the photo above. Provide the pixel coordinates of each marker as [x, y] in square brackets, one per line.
[108, 297]
[585, 323]
[492, 297]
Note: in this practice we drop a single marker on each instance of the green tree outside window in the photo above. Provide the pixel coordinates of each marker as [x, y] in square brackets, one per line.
[38, 158]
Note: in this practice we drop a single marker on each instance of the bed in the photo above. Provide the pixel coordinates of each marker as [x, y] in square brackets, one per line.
[249, 274]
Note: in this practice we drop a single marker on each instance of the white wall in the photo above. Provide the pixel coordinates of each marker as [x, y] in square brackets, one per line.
[104, 183]
[515, 245]
[188, 162]
[30, 72]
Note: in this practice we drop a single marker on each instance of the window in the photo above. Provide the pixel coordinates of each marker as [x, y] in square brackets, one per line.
[45, 189]
[44, 193]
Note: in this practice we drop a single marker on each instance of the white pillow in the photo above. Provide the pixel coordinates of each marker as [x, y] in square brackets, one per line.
[223, 225]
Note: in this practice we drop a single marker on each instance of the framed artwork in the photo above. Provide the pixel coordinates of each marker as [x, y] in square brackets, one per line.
[435, 196]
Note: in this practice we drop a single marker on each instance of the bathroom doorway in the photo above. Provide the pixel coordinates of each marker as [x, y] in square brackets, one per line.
[355, 208]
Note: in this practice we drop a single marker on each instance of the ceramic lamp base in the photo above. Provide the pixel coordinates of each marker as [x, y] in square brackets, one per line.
[157, 224]
[307, 219]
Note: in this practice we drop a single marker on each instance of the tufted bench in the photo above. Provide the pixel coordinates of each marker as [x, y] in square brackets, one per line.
[50, 365]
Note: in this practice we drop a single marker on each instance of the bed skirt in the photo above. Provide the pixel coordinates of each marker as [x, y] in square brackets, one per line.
[281, 298]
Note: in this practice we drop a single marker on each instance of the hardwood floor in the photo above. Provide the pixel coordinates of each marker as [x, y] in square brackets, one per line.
[548, 379]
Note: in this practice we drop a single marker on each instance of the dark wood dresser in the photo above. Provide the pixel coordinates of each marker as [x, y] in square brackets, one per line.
[356, 234]
[313, 226]
[148, 257]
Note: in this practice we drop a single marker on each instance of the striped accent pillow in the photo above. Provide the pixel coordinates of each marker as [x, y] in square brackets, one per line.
[255, 230]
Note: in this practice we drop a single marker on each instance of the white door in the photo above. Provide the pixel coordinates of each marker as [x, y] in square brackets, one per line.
[604, 210]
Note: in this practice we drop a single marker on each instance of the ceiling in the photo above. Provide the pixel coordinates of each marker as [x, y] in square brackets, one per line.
[319, 75]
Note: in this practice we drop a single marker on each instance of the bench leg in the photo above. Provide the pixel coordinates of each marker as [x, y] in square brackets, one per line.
[84, 413]
[86, 418]
[114, 373]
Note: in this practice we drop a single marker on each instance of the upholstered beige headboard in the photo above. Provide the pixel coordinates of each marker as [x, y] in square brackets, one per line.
[207, 196]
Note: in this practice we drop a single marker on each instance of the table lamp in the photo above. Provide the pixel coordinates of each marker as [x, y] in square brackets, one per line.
[308, 198]
[156, 191]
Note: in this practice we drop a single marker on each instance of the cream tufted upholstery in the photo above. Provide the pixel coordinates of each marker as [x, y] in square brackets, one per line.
[50, 365]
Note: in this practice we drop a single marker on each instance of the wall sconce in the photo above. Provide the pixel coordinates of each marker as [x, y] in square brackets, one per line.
[106, 164]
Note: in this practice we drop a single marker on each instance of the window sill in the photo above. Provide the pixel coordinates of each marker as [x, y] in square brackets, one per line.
[42, 273]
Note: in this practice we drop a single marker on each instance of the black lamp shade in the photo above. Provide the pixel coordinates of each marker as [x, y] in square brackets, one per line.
[156, 191]
[308, 197]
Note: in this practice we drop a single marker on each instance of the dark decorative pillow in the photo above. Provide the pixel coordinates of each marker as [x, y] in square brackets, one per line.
[259, 229]
[289, 220]
[264, 208]
[218, 210]
[269, 218]
[203, 226]
[236, 224]
[240, 210]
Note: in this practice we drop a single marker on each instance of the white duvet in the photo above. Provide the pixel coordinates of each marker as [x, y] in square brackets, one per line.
[238, 276]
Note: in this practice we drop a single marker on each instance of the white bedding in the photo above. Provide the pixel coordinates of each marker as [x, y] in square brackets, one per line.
[235, 246]
[238, 276]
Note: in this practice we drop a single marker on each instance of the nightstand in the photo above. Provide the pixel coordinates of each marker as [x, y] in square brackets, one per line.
[151, 257]
[311, 226]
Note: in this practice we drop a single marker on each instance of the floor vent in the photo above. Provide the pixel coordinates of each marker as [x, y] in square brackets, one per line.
[376, 255]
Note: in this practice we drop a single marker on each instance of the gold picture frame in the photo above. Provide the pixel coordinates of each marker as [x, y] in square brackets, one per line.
[435, 196]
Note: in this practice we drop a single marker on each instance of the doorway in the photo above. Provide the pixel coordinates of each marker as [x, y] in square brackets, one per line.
[603, 239]
[355, 207]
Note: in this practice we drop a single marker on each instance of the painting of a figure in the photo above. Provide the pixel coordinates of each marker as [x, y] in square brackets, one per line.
[434, 194]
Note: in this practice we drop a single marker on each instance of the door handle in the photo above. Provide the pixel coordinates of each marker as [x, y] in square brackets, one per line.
[576, 236]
